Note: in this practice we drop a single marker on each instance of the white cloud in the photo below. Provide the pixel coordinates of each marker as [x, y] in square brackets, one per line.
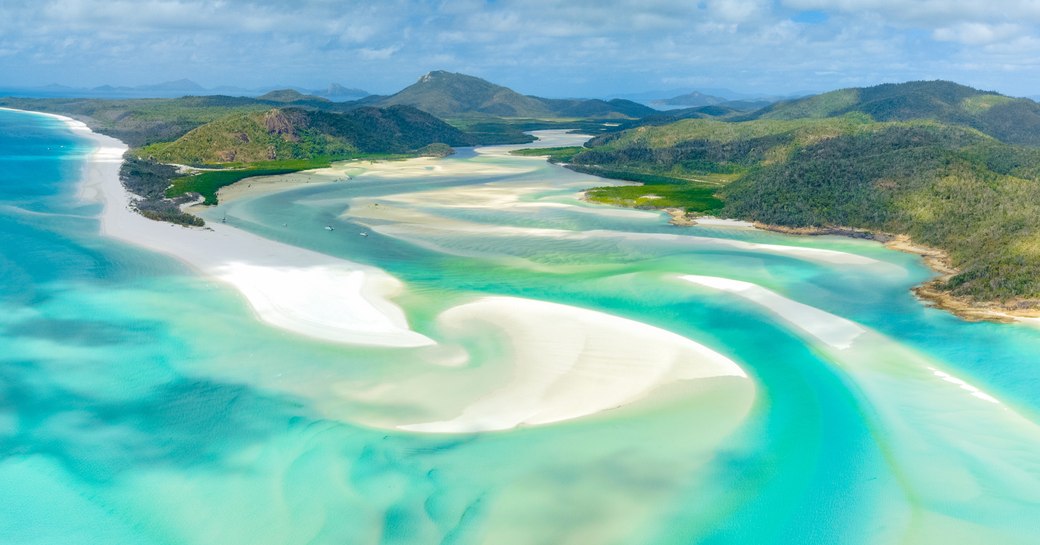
[978, 33]
[378, 54]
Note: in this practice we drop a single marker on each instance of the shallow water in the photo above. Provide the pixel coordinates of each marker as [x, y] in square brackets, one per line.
[143, 403]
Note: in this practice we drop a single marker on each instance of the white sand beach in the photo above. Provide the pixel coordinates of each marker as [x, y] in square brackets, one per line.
[711, 221]
[567, 362]
[288, 287]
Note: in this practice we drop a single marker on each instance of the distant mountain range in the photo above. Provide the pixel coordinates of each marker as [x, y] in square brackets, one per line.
[173, 89]
[694, 99]
[725, 98]
[447, 94]
[444, 94]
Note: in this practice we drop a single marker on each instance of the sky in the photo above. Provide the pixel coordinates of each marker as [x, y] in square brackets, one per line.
[566, 48]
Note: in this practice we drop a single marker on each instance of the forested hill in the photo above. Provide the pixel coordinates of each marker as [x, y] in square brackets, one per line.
[942, 171]
[295, 133]
[1011, 120]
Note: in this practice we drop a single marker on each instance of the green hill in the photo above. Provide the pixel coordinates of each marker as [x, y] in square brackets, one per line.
[1011, 120]
[140, 122]
[295, 133]
[446, 94]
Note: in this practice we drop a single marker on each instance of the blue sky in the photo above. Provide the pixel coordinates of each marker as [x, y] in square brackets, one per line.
[549, 48]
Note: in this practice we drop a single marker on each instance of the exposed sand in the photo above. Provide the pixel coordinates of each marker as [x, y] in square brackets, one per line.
[295, 289]
[833, 330]
[711, 221]
[259, 185]
[412, 217]
[570, 362]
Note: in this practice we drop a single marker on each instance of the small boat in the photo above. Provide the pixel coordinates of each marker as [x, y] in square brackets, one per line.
[364, 234]
[329, 228]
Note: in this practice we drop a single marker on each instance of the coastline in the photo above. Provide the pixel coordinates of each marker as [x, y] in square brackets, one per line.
[930, 292]
[294, 289]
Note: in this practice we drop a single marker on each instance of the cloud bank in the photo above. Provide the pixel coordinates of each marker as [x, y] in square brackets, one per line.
[586, 48]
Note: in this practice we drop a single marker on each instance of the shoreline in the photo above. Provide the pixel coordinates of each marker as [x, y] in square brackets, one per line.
[291, 288]
[929, 292]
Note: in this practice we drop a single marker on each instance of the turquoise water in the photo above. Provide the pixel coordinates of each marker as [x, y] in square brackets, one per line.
[143, 403]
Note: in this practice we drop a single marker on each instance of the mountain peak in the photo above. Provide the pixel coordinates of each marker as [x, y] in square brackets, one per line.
[450, 94]
[439, 74]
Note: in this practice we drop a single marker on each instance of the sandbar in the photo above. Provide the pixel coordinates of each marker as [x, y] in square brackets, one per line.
[835, 331]
[413, 217]
[568, 362]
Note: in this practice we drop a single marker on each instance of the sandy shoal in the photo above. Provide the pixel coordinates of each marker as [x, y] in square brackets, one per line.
[567, 362]
[835, 331]
[288, 287]
[414, 217]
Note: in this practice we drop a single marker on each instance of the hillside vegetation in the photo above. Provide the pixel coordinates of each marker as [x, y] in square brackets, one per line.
[1011, 120]
[285, 140]
[294, 133]
[936, 169]
[954, 189]
[140, 122]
